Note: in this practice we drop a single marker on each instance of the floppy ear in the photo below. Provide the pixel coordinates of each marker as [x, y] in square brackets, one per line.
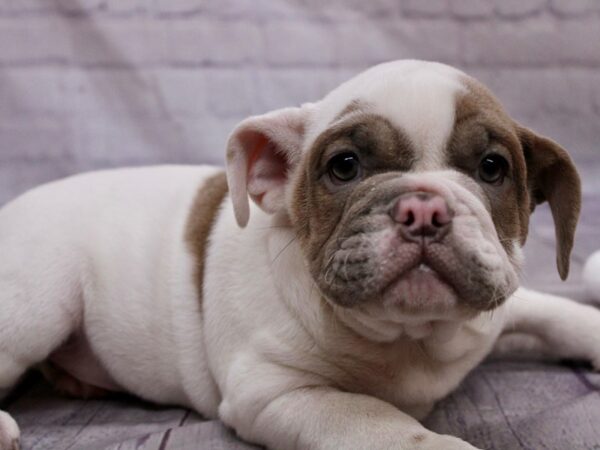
[260, 152]
[552, 177]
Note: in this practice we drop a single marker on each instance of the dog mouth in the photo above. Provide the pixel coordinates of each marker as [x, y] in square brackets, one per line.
[421, 288]
[435, 280]
[433, 277]
[424, 268]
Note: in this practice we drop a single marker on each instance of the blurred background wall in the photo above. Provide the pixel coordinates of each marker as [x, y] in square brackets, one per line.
[88, 84]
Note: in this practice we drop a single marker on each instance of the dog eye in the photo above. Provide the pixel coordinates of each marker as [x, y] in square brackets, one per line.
[344, 167]
[493, 168]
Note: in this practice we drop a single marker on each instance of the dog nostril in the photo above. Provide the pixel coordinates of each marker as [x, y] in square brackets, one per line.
[410, 219]
[422, 215]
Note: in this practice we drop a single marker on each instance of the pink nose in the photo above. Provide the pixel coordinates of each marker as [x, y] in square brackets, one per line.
[422, 214]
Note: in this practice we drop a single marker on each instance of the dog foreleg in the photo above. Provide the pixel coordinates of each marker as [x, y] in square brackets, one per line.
[283, 413]
[551, 326]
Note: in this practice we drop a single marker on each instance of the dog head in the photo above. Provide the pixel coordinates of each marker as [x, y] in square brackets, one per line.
[409, 189]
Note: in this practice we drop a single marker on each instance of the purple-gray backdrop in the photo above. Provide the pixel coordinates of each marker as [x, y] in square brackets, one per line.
[86, 84]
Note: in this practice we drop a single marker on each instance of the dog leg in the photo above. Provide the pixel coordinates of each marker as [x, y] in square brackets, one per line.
[292, 412]
[26, 342]
[551, 326]
[10, 372]
[36, 316]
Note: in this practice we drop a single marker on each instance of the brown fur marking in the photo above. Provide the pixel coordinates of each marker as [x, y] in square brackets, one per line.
[541, 170]
[381, 148]
[318, 210]
[482, 126]
[201, 219]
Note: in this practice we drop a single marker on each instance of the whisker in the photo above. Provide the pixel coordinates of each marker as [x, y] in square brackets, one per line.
[283, 249]
[346, 266]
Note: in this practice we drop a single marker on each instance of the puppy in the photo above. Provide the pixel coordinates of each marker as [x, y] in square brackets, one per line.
[331, 312]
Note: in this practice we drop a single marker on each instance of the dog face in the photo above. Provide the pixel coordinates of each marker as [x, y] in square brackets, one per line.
[409, 189]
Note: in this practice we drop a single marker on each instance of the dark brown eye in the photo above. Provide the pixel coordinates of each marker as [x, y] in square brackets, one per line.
[344, 167]
[493, 168]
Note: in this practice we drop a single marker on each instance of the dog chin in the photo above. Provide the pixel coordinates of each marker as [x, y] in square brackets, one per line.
[420, 290]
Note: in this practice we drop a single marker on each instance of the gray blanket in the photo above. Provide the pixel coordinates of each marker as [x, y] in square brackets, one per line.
[501, 405]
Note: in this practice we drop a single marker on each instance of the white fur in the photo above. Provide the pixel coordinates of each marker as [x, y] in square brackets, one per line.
[416, 96]
[105, 252]
[561, 328]
[591, 275]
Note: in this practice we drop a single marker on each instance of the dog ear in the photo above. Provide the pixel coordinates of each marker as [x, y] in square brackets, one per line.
[260, 153]
[552, 177]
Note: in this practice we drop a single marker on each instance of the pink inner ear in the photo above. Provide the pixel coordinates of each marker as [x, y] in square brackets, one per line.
[267, 172]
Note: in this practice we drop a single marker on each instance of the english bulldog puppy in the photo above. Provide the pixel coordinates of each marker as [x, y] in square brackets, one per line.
[359, 256]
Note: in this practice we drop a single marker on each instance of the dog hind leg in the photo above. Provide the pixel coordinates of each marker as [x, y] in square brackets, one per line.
[35, 318]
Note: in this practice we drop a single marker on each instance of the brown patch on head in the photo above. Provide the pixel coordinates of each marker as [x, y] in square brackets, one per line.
[540, 170]
[201, 219]
[318, 206]
[380, 147]
[482, 127]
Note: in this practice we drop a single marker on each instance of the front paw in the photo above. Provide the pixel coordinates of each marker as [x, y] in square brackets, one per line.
[9, 433]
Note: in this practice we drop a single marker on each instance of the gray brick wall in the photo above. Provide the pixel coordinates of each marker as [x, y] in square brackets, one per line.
[87, 84]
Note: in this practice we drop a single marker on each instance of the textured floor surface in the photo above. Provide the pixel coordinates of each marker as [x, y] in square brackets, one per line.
[501, 405]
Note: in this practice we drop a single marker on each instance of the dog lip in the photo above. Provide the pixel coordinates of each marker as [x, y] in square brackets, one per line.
[395, 293]
[424, 267]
